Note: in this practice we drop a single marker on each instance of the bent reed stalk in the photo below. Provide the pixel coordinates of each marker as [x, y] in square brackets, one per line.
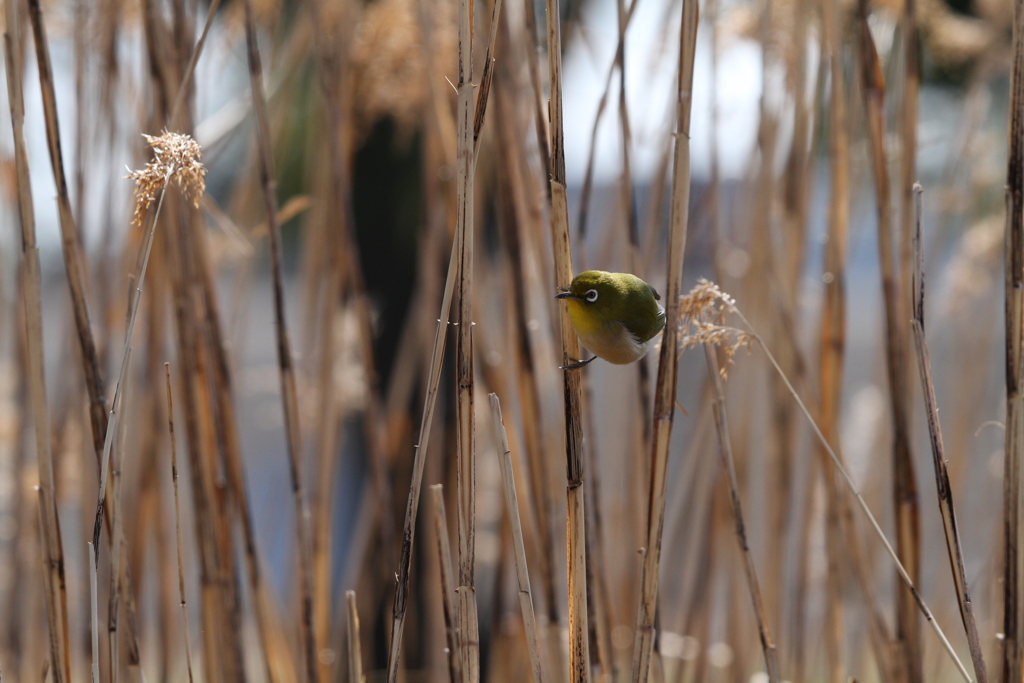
[901, 570]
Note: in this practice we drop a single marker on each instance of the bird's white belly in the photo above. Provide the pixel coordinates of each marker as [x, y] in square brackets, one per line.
[614, 345]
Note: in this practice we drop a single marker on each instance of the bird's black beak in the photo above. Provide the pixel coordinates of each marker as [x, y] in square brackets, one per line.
[566, 295]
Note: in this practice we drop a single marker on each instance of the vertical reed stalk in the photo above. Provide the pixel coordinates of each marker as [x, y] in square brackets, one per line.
[512, 508]
[419, 458]
[833, 332]
[942, 484]
[665, 389]
[1013, 467]
[74, 259]
[94, 614]
[579, 645]
[31, 285]
[459, 281]
[177, 523]
[464, 376]
[284, 357]
[896, 310]
[355, 653]
[451, 615]
[771, 657]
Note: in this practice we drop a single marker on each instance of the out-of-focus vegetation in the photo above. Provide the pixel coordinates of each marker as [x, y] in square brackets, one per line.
[297, 313]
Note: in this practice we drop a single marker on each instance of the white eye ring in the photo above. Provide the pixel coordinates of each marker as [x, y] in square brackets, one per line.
[591, 295]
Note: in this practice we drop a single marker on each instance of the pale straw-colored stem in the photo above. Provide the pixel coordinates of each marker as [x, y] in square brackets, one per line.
[355, 652]
[512, 509]
[665, 388]
[289, 394]
[771, 657]
[444, 556]
[52, 548]
[177, 522]
[1013, 458]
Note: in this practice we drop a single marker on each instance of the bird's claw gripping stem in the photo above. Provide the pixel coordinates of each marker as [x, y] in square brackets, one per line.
[577, 364]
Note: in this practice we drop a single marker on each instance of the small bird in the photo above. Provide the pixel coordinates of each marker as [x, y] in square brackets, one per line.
[615, 315]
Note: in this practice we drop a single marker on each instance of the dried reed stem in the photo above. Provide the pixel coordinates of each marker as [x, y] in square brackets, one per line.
[900, 569]
[464, 375]
[31, 286]
[94, 614]
[485, 78]
[419, 458]
[572, 395]
[833, 334]
[177, 522]
[771, 657]
[1013, 466]
[284, 357]
[942, 484]
[183, 87]
[665, 389]
[355, 653]
[113, 418]
[74, 259]
[444, 556]
[896, 326]
[512, 509]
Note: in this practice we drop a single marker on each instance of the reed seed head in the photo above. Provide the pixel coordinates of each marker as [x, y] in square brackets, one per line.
[702, 318]
[176, 157]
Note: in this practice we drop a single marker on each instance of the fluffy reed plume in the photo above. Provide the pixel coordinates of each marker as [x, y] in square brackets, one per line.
[702, 323]
[177, 158]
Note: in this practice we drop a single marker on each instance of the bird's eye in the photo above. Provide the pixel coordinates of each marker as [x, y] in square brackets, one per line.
[591, 295]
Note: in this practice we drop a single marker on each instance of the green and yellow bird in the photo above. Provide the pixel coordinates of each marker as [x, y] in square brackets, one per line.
[615, 315]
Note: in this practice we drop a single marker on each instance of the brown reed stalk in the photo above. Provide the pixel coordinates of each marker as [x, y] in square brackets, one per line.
[486, 77]
[464, 376]
[76, 270]
[540, 112]
[177, 522]
[181, 267]
[31, 285]
[276, 658]
[1013, 467]
[579, 645]
[284, 355]
[74, 259]
[771, 657]
[896, 312]
[515, 181]
[833, 332]
[184, 85]
[451, 615]
[942, 484]
[665, 389]
[355, 653]
[512, 509]
[94, 616]
[419, 457]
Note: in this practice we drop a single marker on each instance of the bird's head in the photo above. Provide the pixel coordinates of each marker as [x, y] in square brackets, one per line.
[600, 297]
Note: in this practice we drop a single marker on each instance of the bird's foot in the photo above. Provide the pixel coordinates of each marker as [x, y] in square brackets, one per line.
[577, 364]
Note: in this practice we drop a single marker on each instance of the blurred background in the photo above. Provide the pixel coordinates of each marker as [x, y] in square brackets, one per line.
[361, 115]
